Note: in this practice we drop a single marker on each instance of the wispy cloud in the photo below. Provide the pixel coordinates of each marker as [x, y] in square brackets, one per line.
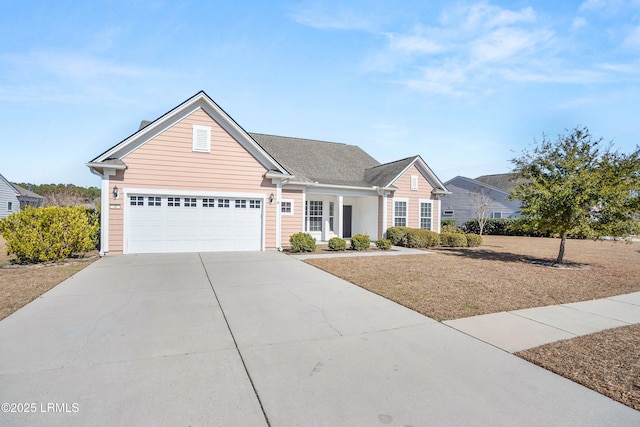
[339, 16]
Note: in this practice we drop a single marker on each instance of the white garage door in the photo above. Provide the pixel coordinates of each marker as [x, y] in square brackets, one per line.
[192, 224]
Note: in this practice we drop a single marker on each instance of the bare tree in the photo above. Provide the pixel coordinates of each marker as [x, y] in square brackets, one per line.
[480, 202]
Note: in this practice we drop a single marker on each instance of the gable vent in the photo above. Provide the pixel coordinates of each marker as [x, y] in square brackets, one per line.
[201, 138]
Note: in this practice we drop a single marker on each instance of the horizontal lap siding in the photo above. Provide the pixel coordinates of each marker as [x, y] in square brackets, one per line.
[404, 191]
[292, 224]
[167, 161]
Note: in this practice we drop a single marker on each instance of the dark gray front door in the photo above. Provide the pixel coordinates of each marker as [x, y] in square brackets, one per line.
[346, 221]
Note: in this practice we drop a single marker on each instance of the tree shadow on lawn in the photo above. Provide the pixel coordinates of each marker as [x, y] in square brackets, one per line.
[488, 255]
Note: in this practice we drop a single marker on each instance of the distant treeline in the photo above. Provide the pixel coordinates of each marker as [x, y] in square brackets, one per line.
[65, 194]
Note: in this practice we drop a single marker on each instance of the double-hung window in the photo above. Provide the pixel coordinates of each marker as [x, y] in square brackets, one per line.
[400, 213]
[426, 214]
[314, 215]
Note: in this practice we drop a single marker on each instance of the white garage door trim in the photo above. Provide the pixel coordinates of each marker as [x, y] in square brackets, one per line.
[164, 193]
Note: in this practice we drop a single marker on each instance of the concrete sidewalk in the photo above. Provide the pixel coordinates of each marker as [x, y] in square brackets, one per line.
[523, 329]
[260, 338]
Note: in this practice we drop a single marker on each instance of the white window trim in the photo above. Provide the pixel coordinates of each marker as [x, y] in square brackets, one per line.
[414, 182]
[406, 217]
[292, 207]
[420, 202]
[199, 145]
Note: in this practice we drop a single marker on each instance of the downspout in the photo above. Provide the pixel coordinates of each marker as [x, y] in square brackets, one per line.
[278, 216]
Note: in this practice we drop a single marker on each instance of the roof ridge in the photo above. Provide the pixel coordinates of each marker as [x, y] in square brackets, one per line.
[302, 139]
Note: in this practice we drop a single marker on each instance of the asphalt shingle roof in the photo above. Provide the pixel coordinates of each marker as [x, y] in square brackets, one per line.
[319, 161]
[503, 181]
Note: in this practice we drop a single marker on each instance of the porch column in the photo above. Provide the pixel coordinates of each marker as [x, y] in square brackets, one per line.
[339, 213]
[384, 215]
[278, 216]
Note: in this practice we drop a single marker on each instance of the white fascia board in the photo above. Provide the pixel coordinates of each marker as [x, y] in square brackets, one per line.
[164, 122]
[425, 171]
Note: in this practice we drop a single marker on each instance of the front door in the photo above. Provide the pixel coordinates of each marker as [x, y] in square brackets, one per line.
[346, 221]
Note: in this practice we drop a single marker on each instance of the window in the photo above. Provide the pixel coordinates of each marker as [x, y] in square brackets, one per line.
[497, 214]
[400, 213]
[208, 203]
[9, 206]
[425, 215]
[173, 201]
[136, 200]
[414, 182]
[330, 216]
[255, 204]
[190, 202]
[223, 203]
[201, 138]
[286, 207]
[447, 212]
[314, 215]
[241, 204]
[154, 201]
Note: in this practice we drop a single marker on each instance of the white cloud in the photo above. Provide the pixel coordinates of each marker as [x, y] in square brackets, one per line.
[632, 40]
[578, 23]
[338, 17]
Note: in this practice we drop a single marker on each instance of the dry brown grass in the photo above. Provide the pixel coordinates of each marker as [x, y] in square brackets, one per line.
[606, 362]
[19, 285]
[509, 273]
[503, 274]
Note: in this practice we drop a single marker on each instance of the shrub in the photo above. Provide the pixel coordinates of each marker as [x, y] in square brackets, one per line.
[50, 233]
[448, 222]
[450, 229]
[456, 240]
[421, 238]
[383, 244]
[473, 240]
[360, 242]
[493, 226]
[337, 244]
[302, 242]
[397, 235]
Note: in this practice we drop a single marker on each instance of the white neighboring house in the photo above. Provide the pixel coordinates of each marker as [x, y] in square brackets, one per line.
[466, 192]
[9, 202]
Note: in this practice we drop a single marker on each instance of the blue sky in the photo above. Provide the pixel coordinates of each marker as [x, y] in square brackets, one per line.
[465, 84]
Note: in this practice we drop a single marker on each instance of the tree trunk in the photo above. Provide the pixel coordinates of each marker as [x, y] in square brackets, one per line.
[563, 241]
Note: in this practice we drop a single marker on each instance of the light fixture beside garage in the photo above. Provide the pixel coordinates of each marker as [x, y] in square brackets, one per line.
[115, 191]
[271, 199]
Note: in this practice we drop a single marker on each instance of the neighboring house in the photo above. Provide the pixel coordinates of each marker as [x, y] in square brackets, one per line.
[194, 180]
[29, 198]
[9, 202]
[467, 194]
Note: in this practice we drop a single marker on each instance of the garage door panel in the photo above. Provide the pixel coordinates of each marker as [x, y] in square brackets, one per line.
[207, 226]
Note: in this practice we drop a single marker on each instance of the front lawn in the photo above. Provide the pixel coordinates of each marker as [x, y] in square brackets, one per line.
[510, 273]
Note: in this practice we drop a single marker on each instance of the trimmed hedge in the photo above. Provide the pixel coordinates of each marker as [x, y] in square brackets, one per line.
[421, 238]
[473, 240]
[456, 240]
[397, 235]
[383, 244]
[360, 242]
[50, 233]
[337, 244]
[302, 242]
[495, 226]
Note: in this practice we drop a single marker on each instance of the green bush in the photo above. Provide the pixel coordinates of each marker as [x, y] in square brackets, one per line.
[50, 233]
[473, 240]
[447, 228]
[493, 226]
[360, 242]
[397, 235]
[450, 222]
[302, 242]
[337, 244]
[421, 238]
[456, 240]
[383, 244]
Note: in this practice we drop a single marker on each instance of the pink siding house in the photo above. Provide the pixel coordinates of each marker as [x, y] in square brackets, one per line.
[194, 180]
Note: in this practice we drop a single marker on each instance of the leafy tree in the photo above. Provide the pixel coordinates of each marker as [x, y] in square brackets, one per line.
[574, 187]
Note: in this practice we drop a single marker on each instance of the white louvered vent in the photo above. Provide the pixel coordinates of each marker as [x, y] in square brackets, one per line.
[201, 138]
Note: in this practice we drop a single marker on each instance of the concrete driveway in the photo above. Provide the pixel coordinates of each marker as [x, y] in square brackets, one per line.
[246, 339]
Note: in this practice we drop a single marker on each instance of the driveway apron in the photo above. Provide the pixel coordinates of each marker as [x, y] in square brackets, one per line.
[246, 339]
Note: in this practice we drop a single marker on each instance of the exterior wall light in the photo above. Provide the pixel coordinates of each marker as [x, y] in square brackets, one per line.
[115, 191]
